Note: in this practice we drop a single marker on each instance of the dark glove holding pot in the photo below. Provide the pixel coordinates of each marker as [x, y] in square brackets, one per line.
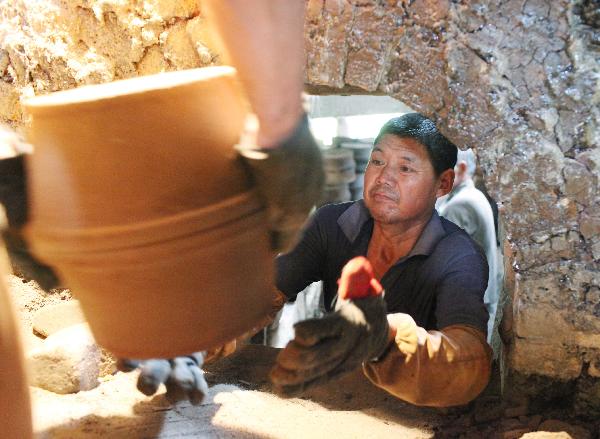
[340, 342]
[13, 196]
[182, 376]
[289, 178]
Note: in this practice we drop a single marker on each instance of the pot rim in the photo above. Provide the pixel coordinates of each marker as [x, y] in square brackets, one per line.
[127, 87]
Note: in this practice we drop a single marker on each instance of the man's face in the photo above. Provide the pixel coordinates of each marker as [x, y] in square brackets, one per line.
[400, 183]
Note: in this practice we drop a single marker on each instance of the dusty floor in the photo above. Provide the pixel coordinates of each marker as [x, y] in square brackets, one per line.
[241, 405]
[235, 408]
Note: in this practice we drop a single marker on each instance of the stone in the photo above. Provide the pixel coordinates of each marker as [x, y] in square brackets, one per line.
[594, 368]
[591, 159]
[535, 421]
[465, 420]
[511, 424]
[559, 243]
[532, 323]
[534, 358]
[327, 46]
[153, 62]
[487, 410]
[587, 398]
[579, 182]
[179, 48]
[171, 10]
[514, 434]
[546, 435]
[374, 34]
[53, 318]
[575, 431]
[89, 42]
[516, 411]
[581, 329]
[536, 8]
[589, 225]
[429, 13]
[596, 251]
[568, 123]
[203, 40]
[550, 118]
[68, 362]
[539, 287]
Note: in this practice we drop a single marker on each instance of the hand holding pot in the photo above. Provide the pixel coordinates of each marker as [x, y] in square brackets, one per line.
[182, 376]
[289, 178]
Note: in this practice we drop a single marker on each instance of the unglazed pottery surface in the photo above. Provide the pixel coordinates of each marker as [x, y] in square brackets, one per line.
[135, 149]
[141, 204]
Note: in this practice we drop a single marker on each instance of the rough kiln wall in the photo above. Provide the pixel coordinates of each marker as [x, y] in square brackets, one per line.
[517, 80]
[53, 45]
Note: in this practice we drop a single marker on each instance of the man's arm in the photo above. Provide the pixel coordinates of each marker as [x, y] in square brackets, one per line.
[432, 368]
[445, 367]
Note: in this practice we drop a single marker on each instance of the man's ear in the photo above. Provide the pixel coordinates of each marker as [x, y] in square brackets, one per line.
[446, 181]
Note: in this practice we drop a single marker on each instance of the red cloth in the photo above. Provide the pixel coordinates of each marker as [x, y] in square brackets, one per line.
[358, 280]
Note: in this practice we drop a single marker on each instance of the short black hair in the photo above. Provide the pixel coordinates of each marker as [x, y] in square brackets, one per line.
[441, 151]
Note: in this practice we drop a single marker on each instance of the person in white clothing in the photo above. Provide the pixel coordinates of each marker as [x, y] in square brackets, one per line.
[467, 207]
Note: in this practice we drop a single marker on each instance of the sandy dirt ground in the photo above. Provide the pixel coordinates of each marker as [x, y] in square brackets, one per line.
[239, 405]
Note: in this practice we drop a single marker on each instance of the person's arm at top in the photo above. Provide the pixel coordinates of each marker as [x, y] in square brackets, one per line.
[263, 41]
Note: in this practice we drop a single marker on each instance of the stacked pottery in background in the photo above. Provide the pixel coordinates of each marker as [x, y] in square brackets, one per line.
[361, 151]
[340, 170]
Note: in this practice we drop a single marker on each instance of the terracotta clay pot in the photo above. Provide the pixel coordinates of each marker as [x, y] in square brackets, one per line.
[141, 204]
[14, 402]
[135, 149]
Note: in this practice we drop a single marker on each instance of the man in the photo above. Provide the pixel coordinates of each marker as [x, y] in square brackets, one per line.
[467, 207]
[431, 349]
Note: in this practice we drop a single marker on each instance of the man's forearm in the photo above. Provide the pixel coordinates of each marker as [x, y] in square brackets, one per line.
[433, 368]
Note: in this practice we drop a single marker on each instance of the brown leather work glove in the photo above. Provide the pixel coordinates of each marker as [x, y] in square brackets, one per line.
[329, 347]
[289, 178]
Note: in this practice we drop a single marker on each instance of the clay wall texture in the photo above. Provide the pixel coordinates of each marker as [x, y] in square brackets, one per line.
[518, 80]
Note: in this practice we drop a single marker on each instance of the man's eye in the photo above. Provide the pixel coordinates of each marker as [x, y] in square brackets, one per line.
[377, 162]
[405, 169]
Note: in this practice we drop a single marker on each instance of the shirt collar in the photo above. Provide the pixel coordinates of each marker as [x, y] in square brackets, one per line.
[430, 236]
[353, 219]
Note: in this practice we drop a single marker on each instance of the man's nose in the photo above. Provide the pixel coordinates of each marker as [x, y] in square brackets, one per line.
[386, 175]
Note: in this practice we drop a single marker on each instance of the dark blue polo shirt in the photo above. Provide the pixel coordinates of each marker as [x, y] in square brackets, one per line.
[441, 282]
